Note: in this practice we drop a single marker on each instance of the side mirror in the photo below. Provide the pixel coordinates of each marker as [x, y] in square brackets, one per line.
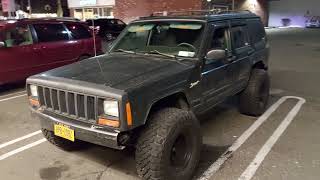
[2, 44]
[216, 54]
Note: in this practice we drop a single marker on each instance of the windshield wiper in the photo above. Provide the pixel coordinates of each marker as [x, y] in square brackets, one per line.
[160, 53]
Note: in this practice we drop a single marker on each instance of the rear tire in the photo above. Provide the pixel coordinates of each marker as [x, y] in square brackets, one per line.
[60, 142]
[254, 99]
[81, 58]
[169, 146]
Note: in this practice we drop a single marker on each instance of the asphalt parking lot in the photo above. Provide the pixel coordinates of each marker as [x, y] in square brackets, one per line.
[282, 144]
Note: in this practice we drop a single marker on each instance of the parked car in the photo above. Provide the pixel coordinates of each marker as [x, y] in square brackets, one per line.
[108, 29]
[31, 46]
[146, 92]
[313, 22]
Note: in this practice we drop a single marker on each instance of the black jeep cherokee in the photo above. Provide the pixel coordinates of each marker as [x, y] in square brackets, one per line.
[159, 74]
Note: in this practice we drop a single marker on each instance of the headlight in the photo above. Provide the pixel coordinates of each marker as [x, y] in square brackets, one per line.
[111, 108]
[34, 91]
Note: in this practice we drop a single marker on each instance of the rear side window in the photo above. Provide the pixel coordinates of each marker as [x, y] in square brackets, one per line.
[90, 22]
[239, 37]
[119, 22]
[256, 30]
[78, 31]
[51, 32]
[112, 21]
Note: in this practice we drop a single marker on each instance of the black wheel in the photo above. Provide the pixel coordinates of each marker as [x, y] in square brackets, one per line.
[254, 99]
[62, 143]
[169, 146]
[81, 58]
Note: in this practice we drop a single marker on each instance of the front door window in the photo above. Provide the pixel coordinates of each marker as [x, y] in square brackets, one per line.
[19, 36]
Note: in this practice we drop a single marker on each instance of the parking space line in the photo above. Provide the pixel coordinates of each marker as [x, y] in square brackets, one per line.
[263, 152]
[19, 139]
[16, 151]
[242, 139]
[14, 97]
[12, 94]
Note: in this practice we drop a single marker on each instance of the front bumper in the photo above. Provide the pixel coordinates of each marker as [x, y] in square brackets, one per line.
[312, 25]
[83, 131]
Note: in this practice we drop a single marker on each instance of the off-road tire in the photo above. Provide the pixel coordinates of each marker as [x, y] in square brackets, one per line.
[156, 145]
[254, 99]
[60, 142]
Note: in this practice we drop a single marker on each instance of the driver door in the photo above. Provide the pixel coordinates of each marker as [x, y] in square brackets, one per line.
[215, 74]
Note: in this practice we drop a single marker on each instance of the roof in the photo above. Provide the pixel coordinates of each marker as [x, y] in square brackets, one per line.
[12, 22]
[104, 19]
[201, 15]
[41, 20]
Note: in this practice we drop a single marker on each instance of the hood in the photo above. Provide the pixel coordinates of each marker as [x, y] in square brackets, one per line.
[119, 70]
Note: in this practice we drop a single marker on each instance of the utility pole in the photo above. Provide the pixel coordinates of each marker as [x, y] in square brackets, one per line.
[59, 9]
[30, 9]
[233, 5]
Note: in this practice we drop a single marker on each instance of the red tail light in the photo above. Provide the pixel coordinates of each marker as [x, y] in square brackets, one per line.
[96, 29]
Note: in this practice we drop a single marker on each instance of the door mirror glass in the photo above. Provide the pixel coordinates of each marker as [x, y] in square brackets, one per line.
[2, 44]
[216, 54]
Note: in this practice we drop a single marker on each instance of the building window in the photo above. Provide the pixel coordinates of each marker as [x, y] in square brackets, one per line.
[93, 12]
[78, 13]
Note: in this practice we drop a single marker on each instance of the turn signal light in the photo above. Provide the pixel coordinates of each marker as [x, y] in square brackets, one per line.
[129, 114]
[34, 102]
[108, 122]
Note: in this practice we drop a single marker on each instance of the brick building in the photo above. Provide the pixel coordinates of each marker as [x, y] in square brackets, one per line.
[129, 10]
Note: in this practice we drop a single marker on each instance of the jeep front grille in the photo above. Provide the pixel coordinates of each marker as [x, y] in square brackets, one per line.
[70, 104]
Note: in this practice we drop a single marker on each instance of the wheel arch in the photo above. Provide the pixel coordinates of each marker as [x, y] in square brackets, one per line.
[260, 65]
[84, 56]
[178, 100]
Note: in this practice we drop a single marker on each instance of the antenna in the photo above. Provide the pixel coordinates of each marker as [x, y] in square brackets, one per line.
[94, 38]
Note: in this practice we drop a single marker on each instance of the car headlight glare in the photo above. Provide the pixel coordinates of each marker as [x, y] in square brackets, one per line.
[111, 108]
[34, 91]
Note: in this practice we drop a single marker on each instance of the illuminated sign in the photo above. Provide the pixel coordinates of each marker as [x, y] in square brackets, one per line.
[8, 6]
[88, 2]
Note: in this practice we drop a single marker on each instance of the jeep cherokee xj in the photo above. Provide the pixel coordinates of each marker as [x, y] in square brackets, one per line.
[146, 91]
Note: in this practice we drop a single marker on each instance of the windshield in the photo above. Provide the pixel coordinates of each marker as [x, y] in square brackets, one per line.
[171, 38]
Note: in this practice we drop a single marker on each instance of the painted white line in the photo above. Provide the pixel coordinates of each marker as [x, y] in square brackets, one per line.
[12, 94]
[242, 139]
[19, 139]
[16, 151]
[14, 97]
[266, 148]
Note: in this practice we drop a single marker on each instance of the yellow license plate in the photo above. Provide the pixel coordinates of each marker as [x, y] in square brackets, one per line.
[64, 132]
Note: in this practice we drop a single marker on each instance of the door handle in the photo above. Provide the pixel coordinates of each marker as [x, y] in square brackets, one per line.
[231, 58]
[250, 52]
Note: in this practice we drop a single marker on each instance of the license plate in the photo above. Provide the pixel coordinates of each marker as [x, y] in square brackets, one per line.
[64, 131]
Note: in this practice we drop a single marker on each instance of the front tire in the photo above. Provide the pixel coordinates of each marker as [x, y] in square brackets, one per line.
[254, 99]
[169, 146]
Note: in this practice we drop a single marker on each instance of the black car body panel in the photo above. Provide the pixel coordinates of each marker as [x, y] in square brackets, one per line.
[107, 26]
[145, 79]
